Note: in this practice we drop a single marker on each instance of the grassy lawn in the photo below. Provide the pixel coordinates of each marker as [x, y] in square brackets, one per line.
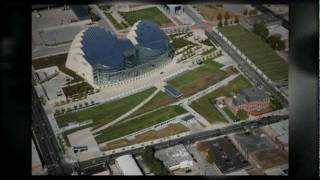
[172, 129]
[230, 114]
[178, 43]
[115, 23]
[152, 13]
[105, 113]
[161, 99]
[139, 123]
[104, 7]
[198, 79]
[204, 107]
[258, 51]
[242, 114]
[57, 60]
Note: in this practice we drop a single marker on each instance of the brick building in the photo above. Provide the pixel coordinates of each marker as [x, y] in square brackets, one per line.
[253, 100]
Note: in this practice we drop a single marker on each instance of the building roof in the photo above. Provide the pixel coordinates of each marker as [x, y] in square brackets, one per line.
[249, 95]
[100, 47]
[282, 129]
[128, 165]
[239, 99]
[262, 18]
[254, 94]
[241, 172]
[279, 30]
[173, 156]
[149, 35]
[174, 5]
[188, 117]
[226, 155]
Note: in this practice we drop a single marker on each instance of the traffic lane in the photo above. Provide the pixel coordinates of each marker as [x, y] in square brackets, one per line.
[192, 138]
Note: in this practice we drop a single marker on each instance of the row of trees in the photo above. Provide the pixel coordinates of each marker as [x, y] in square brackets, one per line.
[227, 19]
[252, 12]
[274, 40]
[63, 110]
[155, 165]
[227, 22]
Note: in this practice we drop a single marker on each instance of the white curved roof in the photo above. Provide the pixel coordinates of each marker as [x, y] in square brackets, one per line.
[128, 165]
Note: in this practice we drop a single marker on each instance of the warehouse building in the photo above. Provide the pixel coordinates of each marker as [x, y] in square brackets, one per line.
[175, 157]
[102, 58]
[128, 166]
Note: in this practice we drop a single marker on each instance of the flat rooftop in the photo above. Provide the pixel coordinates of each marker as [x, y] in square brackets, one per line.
[253, 141]
[226, 156]
[174, 155]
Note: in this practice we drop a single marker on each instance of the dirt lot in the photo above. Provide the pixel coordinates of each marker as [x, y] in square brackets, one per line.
[210, 12]
[268, 158]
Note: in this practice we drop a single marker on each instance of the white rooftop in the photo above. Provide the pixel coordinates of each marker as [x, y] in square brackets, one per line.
[241, 172]
[173, 156]
[128, 165]
[279, 30]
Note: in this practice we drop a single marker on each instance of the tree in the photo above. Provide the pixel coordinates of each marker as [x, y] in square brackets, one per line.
[281, 45]
[261, 30]
[220, 24]
[275, 104]
[245, 12]
[253, 12]
[225, 22]
[219, 17]
[226, 15]
[275, 42]
[153, 163]
[236, 20]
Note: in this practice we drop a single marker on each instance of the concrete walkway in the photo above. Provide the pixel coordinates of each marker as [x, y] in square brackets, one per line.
[104, 20]
[224, 114]
[127, 113]
[167, 15]
[198, 116]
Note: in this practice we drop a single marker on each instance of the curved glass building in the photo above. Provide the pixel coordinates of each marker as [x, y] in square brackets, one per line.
[102, 58]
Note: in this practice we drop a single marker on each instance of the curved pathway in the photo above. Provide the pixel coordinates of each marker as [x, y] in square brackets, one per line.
[127, 113]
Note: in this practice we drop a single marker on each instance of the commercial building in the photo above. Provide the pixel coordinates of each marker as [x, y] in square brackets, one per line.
[258, 148]
[226, 156]
[252, 100]
[127, 165]
[175, 157]
[174, 9]
[279, 133]
[102, 58]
